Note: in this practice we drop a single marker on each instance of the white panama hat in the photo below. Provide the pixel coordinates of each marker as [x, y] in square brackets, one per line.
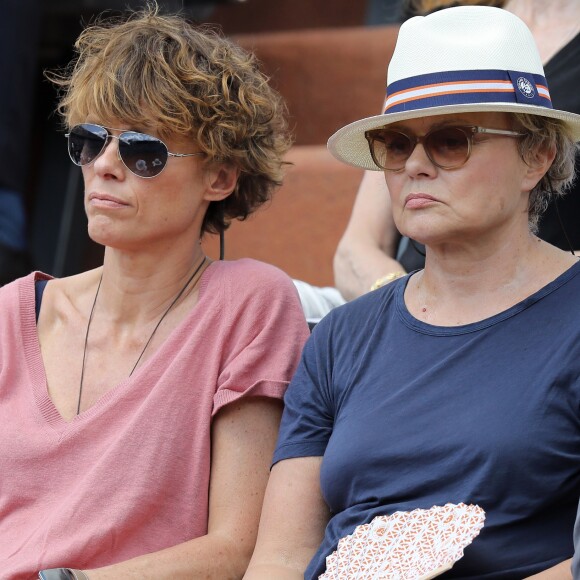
[457, 60]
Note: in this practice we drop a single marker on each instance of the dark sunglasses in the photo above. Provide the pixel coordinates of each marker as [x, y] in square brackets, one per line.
[446, 147]
[142, 154]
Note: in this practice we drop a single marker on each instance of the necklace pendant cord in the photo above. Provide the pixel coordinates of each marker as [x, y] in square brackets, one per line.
[173, 302]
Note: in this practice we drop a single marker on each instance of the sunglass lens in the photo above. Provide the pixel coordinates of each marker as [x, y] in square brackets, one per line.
[390, 149]
[85, 143]
[143, 154]
[448, 147]
[397, 149]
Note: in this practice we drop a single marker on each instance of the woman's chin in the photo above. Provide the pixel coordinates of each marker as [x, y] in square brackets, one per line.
[422, 235]
[105, 236]
[430, 230]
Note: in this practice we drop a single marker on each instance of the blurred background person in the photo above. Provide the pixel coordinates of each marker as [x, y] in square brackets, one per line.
[18, 58]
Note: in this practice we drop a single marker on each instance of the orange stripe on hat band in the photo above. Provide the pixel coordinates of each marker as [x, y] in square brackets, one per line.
[454, 88]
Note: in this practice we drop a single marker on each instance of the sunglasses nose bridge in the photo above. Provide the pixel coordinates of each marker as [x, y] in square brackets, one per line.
[417, 140]
[103, 152]
[108, 141]
[118, 147]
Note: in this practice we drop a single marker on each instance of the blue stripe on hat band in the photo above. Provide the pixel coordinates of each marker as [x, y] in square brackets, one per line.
[467, 87]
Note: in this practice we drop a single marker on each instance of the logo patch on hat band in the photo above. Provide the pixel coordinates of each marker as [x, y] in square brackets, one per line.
[526, 87]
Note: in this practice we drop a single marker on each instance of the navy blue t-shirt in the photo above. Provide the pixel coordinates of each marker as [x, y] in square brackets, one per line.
[410, 415]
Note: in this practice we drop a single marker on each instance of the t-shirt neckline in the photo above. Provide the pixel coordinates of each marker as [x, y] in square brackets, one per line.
[425, 328]
[35, 362]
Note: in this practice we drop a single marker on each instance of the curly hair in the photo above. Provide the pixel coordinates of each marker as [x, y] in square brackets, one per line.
[545, 134]
[189, 80]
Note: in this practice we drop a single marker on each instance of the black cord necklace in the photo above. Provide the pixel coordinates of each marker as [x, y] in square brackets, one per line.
[177, 297]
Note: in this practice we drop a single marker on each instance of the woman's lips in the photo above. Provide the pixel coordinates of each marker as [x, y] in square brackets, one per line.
[419, 200]
[106, 200]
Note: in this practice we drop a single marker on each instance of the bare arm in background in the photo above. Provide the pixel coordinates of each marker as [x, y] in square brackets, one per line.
[367, 248]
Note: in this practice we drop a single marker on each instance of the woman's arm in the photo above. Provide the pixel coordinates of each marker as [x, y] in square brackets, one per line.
[243, 439]
[368, 246]
[562, 571]
[293, 521]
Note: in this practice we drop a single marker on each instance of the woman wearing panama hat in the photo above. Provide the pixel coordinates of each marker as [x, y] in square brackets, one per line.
[371, 250]
[459, 382]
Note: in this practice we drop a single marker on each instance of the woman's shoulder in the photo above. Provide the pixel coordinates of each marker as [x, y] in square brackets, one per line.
[14, 291]
[18, 299]
[245, 265]
[250, 274]
[362, 313]
[378, 298]
[256, 291]
[61, 295]
[71, 286]
[21, 288]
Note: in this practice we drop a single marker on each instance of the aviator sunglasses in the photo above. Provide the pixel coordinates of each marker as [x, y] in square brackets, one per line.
[446, 147]
[142, 154]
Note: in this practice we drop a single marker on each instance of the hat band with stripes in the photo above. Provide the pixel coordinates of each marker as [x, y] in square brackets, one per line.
[467, 87]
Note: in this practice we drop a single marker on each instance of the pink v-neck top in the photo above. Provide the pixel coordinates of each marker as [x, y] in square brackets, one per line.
[131, 474]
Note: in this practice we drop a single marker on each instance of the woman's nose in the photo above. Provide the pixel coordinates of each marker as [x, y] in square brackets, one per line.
[419, 161]
[109, 160]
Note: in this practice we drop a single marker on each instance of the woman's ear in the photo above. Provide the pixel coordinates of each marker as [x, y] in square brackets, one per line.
[537, 165]
[221, 180]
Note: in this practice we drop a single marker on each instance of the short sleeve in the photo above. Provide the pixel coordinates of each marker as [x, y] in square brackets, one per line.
[263, 335]
[309, 413]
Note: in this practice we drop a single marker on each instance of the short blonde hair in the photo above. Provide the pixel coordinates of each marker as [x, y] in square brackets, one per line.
[545, 133]
[153, 69]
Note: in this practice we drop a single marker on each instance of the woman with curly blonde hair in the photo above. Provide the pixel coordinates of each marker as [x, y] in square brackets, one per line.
[140, 401]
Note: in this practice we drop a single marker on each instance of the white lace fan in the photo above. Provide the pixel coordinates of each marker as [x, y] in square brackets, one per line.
[416, 545]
